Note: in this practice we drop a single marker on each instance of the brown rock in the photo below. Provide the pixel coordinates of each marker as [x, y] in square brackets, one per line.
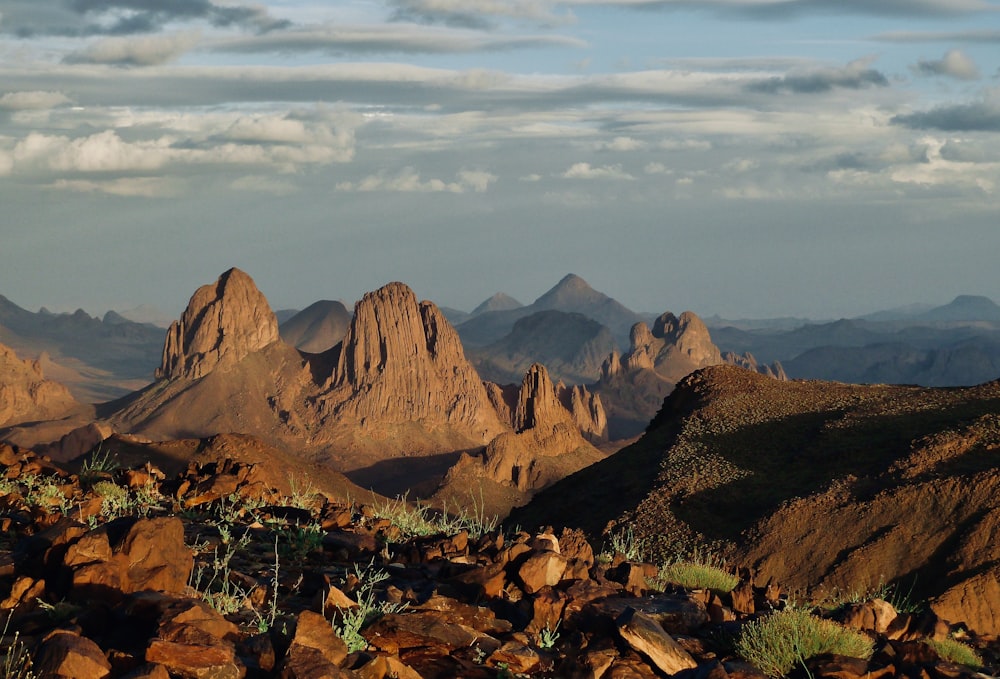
[64, 654]
[402, 362]
[540, 570]
[547, 607]
[154, 556]
[645, 635]
[313, 631]
[25, 394]
[516, 656]
[974, 602]
[148, 671]
[196, 661]
[386, 667]
[223, 323]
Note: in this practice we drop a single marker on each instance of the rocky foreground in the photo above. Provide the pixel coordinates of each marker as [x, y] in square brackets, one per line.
[112, 572]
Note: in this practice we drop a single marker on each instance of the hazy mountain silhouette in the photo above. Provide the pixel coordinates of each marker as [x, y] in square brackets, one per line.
[572, 294]
[318, 327]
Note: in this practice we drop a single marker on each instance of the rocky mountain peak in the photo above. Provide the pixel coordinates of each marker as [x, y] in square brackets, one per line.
[401, 362]
[537, 402]
[568, 293]
[224, 322]
[501, 301]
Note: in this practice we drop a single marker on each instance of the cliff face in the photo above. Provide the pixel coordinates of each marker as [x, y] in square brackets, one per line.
[25, 394]
[223, 323]
[402, 362]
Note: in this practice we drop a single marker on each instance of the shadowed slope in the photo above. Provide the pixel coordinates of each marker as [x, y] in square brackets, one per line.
[815, 484]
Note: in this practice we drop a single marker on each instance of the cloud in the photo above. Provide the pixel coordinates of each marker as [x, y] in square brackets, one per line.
[144, 187]
[769, 9]
[855, 75]
[282, 142]
[135, 51]
[954, 64]
[405, 38]
[408, 180]
[587, 171]
[30, 18]
[968, 36]
[983, 115]
[478, 13]
[263, 184]
[32, 100]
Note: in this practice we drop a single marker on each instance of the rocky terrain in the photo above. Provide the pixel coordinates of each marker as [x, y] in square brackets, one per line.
[394, 404]
[821, 486]
[115, 572]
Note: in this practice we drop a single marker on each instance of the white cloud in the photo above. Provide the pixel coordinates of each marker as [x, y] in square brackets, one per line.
[657, 168]
[955, 63]
[144, 187]
[147, 50]
[32, 100]
[530, 178]
[587, 171]
[408, 180]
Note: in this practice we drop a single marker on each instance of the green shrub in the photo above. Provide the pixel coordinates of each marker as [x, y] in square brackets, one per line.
[956, 652]
[693, 575]
[786, 639]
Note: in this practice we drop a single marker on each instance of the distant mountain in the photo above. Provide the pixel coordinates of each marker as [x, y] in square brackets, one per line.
[964, 308]
[900, 313]
[316, 328]
[145, 313]
[570, 345]
[97, 359]
[571, 295]
[501, 301]
[284, 314]
[26, 395]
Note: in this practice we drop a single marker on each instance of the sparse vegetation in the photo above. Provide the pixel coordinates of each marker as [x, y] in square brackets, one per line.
[786, 639]
[956, 652]
[350, 621]
[418, 519]
[700, 571]
[16, 662]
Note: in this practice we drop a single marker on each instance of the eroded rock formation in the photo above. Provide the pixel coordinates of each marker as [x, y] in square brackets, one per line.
[25, 394]
[402, 362]
[224, 322]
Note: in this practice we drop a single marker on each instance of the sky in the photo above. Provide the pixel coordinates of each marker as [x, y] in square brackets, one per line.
[749, 158]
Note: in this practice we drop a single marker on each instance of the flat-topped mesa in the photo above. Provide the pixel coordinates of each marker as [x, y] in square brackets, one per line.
[223, 323]
[402, 362]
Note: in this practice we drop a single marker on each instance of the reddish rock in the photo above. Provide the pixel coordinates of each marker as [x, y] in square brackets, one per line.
[540, 570]
[25, 394]
[386, 667]
[65, 654]
[223, 323]
[646, 636]
[313, 632]
[402, 362]
[196, 661]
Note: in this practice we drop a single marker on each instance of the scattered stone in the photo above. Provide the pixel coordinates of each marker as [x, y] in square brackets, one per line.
[646, 636]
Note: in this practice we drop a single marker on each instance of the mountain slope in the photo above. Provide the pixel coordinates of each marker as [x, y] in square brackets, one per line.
[812, 483]
[570, 345]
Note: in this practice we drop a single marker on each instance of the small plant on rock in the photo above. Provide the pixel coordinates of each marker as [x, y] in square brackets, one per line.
[781, 641]
[352, 620]
[955, 651]
[547, 638]
[699, 570]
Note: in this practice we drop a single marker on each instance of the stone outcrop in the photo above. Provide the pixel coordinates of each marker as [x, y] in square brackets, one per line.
[633, 385]
[402, 362]
[110, 601]
[749, 362]
[25, 394]
[224, 322]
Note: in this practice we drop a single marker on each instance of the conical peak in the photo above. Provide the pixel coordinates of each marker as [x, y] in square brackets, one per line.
[223, 322]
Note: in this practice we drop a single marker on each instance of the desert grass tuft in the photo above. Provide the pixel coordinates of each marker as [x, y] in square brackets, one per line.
[787, 639]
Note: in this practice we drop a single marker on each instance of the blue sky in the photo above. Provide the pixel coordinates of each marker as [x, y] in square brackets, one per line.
[817, 158]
